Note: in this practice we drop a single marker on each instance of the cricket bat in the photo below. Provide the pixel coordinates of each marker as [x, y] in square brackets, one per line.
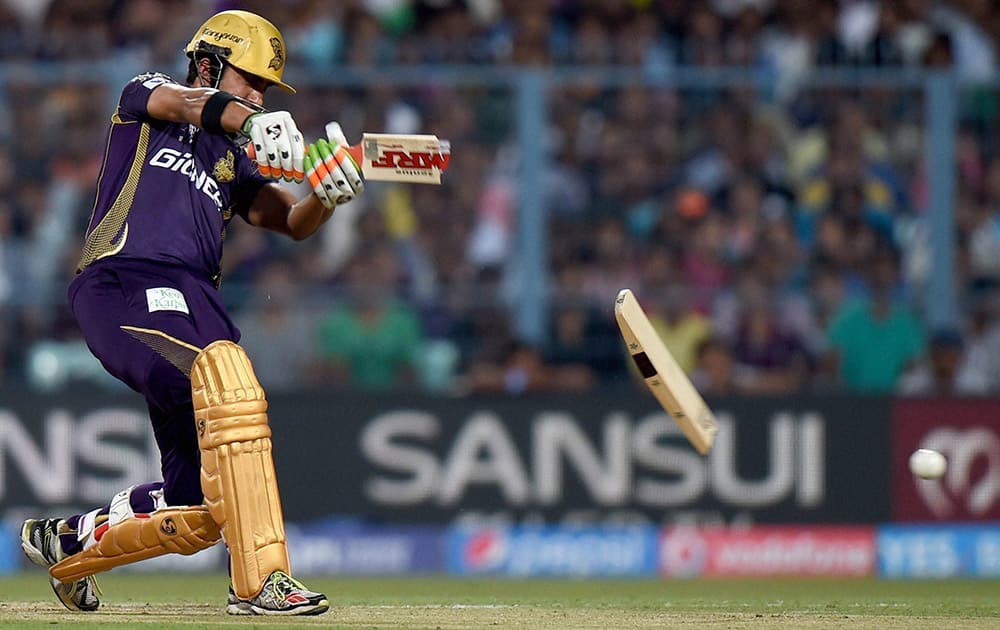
[413, 158]
[389, 157]
[664, 377]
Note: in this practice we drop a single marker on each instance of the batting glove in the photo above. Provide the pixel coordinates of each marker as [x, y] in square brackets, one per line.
[278, 147]
[331, 170]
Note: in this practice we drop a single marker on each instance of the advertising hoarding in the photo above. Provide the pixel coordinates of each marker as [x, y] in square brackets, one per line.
[609, 456]
[967, 433]
[939, 551]
[553, 551]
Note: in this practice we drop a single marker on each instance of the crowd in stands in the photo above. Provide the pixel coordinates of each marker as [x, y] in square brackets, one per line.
[779, 240]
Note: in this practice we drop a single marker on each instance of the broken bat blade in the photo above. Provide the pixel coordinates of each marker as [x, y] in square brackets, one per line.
[665, 378]
[413, 158]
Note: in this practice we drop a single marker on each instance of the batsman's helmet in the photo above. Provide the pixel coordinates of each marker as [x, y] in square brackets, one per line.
[244, 40]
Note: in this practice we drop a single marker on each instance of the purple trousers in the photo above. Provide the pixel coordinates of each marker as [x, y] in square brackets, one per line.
[170, 303]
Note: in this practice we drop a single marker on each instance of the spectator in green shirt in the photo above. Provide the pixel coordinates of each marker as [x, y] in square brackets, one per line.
[373, 340]
[875, 338]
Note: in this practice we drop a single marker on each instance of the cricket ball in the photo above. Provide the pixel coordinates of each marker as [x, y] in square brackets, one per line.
[927, 464]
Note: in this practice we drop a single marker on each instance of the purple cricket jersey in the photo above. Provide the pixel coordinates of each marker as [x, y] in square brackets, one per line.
[146, 295]
[166, 190]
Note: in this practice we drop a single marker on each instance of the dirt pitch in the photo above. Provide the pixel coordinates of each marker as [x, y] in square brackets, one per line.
[141, 601]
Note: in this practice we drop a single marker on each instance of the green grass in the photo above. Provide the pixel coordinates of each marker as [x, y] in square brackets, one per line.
[148, 601]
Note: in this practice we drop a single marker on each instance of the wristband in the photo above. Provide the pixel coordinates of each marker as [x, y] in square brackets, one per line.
[211, 113]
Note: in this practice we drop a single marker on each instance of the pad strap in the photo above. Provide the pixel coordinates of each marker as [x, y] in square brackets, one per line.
[183, 530]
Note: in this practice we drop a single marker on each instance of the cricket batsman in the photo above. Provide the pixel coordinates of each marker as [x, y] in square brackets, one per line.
[146, 298]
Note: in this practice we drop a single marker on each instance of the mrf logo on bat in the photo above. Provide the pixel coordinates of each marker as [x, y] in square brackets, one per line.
[395, 156]
[404, 158]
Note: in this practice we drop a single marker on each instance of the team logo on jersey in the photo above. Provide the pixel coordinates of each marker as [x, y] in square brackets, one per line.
[225, 169]
[278, 59]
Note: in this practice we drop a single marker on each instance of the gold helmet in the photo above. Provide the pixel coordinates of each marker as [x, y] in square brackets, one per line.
[244, 40]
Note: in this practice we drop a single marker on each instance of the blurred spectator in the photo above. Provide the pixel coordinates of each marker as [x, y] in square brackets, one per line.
[827, 293]
[865, 36]
[372, 339]
[875, 338]
[704, 261]
[522, 369]
[581, 339]
[678, 323]
[275, 324]
[982, 355]
[778, 357]
[530, 44]
[480, 326]
[984, 249]
[967, 23]
[611, 266]
[913, 33]
[75, 29]
[714, 367]
[437, 366]
[703, 44]
[743, 46]
[717, 373]
[316, 34]
[940, 52]
[854, 181]
[788, 47]
[942, 372]
[745, 201]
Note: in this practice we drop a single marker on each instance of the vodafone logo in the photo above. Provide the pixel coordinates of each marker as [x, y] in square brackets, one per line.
[767, 550]
[972, 482]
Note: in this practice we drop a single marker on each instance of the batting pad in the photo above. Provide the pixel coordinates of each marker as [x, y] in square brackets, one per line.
[184, 530]
[237, 469]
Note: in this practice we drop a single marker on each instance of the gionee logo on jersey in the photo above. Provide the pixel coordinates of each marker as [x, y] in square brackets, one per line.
[174, 160]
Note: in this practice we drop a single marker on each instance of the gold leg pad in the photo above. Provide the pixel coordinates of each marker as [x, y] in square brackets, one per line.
[237, 468]
[184, 530]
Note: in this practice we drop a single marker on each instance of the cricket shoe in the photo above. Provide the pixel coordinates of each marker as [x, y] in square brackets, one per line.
[281, 595]
[40, 542]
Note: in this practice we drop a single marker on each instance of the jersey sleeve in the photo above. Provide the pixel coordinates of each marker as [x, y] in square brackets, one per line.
[249, 181]
[135, 95]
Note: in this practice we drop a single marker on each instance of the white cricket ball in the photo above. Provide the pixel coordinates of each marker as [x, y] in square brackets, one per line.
[927, 464]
